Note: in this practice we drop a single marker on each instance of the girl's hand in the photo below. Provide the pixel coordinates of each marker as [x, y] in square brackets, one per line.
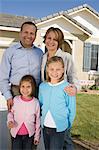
[11, 124]
[71, 90]
[36, 142]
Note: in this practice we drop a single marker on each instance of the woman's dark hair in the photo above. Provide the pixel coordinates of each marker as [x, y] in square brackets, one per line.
[32, 81]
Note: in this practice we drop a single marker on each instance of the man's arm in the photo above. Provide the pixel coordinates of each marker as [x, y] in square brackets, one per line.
[5, 69]
[9, 104]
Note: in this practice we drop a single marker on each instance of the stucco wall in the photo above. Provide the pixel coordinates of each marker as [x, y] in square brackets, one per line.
[78, 60]
[1, 53]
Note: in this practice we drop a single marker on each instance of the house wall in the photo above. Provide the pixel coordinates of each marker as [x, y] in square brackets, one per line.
[39, 38]
[78, 60]
[1, 52]
[89, 21]
[6, 39]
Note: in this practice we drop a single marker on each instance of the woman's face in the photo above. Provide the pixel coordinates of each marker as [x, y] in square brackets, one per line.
[51, 41]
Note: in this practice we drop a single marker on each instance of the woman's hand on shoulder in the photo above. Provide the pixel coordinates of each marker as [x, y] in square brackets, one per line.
[71, 90]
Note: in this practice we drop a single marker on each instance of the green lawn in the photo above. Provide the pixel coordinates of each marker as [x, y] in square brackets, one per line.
[86, 123]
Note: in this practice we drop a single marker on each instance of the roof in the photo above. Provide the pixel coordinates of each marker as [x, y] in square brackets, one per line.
[82, 7]
[65, 15]
[13, 20]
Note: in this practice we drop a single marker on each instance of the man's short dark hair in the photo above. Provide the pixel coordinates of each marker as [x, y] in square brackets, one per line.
[29, 23]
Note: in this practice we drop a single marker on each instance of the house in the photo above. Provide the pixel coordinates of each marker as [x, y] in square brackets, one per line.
[80, 26]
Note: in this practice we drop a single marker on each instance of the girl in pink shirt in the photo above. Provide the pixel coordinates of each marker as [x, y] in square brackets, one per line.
[24, 118]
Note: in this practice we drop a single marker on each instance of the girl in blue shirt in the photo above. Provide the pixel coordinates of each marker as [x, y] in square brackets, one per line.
[58, 108]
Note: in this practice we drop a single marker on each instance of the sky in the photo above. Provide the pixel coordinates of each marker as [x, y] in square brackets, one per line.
[42, 8]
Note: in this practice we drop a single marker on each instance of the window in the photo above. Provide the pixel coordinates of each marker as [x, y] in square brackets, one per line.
[91, 57]
[94, 57]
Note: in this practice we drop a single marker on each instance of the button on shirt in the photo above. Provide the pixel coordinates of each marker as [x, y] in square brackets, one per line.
[18, 61]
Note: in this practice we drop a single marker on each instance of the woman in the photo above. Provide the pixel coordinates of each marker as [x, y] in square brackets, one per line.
[53, 40]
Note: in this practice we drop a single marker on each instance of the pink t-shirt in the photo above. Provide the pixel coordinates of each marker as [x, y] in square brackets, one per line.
[26, 115]
[23, 130]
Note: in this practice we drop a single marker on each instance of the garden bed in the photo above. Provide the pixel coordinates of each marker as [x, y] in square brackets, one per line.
[89, 92]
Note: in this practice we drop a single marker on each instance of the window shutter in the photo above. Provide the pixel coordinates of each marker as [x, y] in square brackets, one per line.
[98, 60]
[87, 57]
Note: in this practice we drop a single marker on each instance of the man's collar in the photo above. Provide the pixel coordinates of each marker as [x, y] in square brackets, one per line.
[19, 45]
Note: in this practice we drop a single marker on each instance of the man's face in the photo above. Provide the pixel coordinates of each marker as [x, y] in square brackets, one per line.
[27, 35]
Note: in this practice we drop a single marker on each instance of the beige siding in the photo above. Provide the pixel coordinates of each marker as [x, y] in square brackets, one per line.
[78, 60]
[1, 53]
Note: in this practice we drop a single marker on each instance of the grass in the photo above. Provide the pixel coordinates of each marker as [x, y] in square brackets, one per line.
[86, 123]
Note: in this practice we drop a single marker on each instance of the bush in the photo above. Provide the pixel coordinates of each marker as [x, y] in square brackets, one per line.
[94, 87]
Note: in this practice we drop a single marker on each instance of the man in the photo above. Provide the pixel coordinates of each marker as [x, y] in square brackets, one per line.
[18, 60]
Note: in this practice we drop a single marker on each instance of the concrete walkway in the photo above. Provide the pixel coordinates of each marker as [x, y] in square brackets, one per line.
[4, 133]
